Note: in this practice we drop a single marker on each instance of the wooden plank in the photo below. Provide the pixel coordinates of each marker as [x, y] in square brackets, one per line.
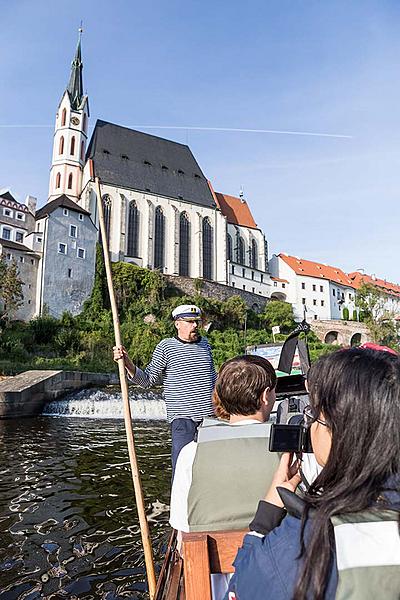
[196, 567]
[222, 549]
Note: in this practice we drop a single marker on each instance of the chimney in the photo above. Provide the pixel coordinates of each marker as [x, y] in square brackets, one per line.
[241, 195]
[30, 202]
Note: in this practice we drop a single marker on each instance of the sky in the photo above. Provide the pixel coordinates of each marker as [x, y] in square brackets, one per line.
[301, 66]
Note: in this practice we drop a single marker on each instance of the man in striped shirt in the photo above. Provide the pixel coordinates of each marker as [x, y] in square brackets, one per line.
[184, 366]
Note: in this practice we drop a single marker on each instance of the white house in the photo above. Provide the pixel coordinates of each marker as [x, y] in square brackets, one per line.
[315, 290]
[390, 303]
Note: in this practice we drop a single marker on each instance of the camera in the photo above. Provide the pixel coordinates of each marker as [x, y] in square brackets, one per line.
[293, 437]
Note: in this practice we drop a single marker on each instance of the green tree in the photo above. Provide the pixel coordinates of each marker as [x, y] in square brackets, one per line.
[381, 322]
[279, 313]
[11, 296]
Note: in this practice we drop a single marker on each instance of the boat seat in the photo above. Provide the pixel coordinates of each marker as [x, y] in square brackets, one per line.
[206, 553]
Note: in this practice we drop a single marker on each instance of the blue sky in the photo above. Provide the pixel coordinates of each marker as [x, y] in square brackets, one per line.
[292, 65]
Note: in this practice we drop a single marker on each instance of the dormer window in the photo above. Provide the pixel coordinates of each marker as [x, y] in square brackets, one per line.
[106, 152]
[196, 176]
[180, 172]
[164, 167]
[180, 197]
[124, 157]
[147, 163]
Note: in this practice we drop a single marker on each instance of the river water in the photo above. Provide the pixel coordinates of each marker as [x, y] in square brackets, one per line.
[68, 521]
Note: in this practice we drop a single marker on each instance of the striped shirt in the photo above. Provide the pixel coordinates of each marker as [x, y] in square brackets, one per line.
[186, 371]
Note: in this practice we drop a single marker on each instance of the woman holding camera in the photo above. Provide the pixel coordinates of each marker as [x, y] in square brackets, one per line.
[341, 540]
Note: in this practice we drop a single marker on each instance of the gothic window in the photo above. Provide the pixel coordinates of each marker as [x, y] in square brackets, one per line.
[133, 229]
[184, 244]
[159, 239]
[229, 247]
[107, 216]
[61, 147]
[207, 248]
[63, 117]
[82, 150]
[58, 180]
[72, 150]
[70, 181]
[240, 250]
[84, 122]
[254, 254]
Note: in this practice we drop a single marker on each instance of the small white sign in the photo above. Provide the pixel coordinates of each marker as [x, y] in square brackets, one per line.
[276, 329]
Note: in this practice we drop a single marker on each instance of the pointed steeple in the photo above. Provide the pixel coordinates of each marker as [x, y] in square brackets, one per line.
[75, 85]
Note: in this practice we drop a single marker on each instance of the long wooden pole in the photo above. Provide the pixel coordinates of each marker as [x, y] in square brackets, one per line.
[144, 526]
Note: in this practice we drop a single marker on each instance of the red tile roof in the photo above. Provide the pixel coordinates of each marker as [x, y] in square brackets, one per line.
[359, 278]
[278, 279]
[309, 268]
[235, 210]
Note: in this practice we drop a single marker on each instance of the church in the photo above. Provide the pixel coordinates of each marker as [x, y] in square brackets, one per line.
[160, 209]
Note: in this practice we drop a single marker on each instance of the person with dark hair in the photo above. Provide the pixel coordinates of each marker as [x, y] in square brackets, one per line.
[341, 540]
[219, 478]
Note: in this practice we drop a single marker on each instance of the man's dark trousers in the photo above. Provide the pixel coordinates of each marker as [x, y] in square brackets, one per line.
[183, 431]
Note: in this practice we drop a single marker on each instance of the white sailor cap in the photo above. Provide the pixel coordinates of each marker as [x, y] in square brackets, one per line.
[189, 312]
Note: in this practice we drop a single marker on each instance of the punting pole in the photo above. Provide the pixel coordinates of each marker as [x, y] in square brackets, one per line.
[144, 526]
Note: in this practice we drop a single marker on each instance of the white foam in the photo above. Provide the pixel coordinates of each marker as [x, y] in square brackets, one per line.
[102, 404]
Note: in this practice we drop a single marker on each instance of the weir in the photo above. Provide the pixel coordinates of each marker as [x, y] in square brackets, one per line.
[101, 404]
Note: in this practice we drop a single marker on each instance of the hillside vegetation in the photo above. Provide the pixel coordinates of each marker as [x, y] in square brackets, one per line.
[145, 303]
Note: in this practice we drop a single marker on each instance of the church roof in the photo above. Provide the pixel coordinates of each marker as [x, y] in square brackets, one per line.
[75, 84]
[236, 210]
[63, 201]
[127, 158]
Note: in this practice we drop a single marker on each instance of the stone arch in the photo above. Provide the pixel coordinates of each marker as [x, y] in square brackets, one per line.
[332, 337]
[278, 296]
[356, 339]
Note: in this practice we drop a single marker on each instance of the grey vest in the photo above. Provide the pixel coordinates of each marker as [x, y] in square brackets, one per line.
[368, 555]
[232, 471]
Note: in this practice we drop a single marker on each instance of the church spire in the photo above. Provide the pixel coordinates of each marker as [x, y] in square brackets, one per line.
[75, 85]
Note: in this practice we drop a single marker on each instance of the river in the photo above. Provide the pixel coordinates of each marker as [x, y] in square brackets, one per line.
[68, 521]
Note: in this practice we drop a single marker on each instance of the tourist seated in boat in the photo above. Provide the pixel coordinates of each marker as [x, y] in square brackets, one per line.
[341, 540]
[219, 479]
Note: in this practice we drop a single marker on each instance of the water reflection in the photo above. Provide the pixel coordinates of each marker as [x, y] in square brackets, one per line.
[68, 521]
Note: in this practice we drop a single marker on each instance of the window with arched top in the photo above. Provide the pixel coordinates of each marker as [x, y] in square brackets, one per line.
[107, 205]
[72, 148]
[229, 247]
[133, 230]
[84, 125]
[184, 244]
[254, 254]
[240, 251]
[63, 116]
[70, 181]
[159, 238]
[82, 150]
[207, 248]
[58, 180]
[61, 146]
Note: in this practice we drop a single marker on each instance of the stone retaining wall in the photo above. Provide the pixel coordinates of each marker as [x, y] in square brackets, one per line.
[26, 394]
[219, 291]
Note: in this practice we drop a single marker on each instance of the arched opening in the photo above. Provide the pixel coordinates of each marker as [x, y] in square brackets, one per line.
[331, 337]
[61, 146]
[159, 239]
[254, 254]
[63, 117]
[58, 180]
[72, 148]
[207, 248]
[278, 296]
[184, 244]
[70, 181]
[355, 339]
[82, 150]
[84, 124]
[107, 204]
[240, 251]
[133, 229]
[229, 247]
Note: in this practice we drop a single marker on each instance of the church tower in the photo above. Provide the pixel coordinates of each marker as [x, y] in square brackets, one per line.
[70, 135]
